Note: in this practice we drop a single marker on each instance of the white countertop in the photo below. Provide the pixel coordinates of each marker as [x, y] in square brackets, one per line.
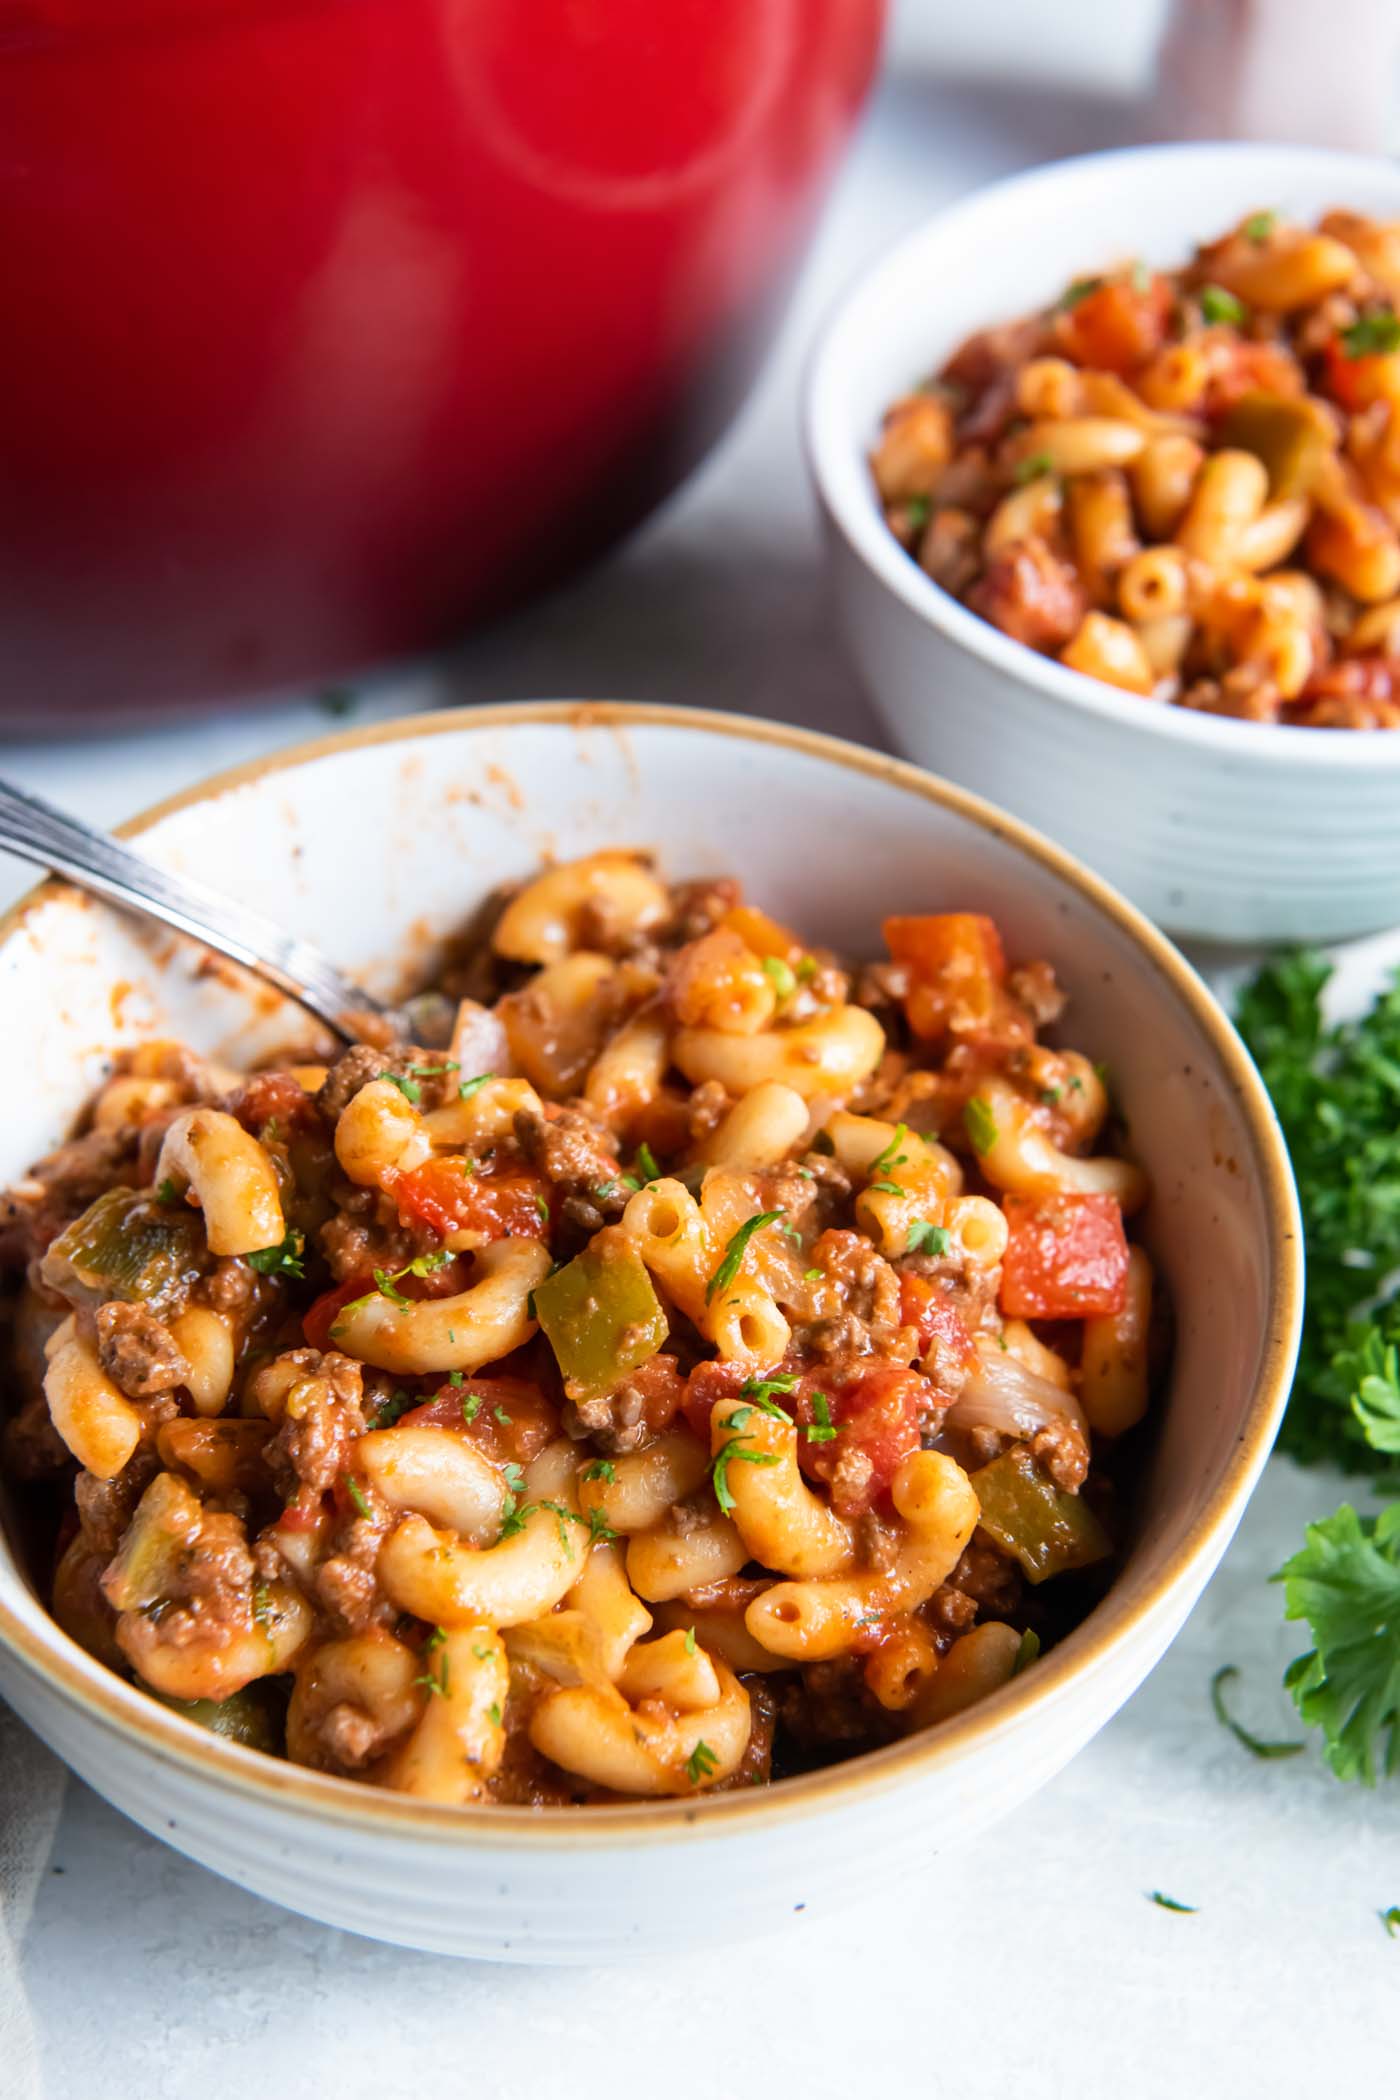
[1036, 1964]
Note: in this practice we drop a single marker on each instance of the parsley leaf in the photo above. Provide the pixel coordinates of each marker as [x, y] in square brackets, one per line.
[386, 1284]
[1079, 289]
[285, 1259]
[388, 1411]
[700, 1763]
[734, 1253]
[1252, 1743]
[780, 975]
[926, 1239]
[735, 1453]
[471, 1406]
[980, 1125]
[355, 1492]
[1371, 1366]
[1371, 335]
[409, 1088]
[166, 1192]
[1259, 227]
[599, 1469]
[1346, 1583]
[646, 1162]
[1170, 1903]
[1032, 468]
[821, 1429]
[1220, 306]
[690, 1641]
[1391, 1920]
[468, 1087]
[1027, 1653]
[760, 1391]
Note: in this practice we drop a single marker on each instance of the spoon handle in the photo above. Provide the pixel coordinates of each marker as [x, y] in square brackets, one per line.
[37, 832]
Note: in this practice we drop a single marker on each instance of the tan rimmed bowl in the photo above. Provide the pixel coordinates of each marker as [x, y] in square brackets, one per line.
[377, 843]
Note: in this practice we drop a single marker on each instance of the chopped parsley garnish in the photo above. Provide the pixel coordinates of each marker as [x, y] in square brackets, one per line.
[806, 970]
[646, 1161]
[690, 1647]
[700, 1763]
[599, 1469]
[1078, 290]
[483, 1655]
[924, 1238]
[812, 1275]
[166, 1192]
[468, 1087]
[1027, 1653]
[542, 1207]
[408, 1087]
[600, 1531]
[1391, 1920]
[499, 1414]
[1170, 1903]
[916, 512]
[605, 1189]
[514, 1476]
[388, 1411]
[761, 1390]
[454, 1378]
[780, 975]
[734, 1253]
[493, 1714]
[285, 1259]
[356, 1493]
[262, 1604]
[1033, 468]
[1372, 335]
[471, 1406]
[1252, 1743]
[1220, 306]
[386, 1284]
[1259, 227]
[889, 1188]
[430, 1680]
[980, 1125]
[1051, 1094]
[735, 1453]
[892, 1156]
[821, 1429]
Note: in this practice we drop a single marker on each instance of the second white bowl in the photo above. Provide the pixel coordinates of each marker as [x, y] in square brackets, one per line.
[1230, 830]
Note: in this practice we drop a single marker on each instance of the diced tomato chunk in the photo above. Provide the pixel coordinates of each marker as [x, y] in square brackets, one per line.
[447, 1197]
[877, 1412]
[958, 968]
[936, 1320]
[1356, 382]
[321, 1315]
[1117, 327]
[508, 1418]
[1066, 1259]
[708, 1382]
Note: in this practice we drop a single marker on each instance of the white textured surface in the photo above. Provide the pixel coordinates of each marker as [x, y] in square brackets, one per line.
[1035, 1965]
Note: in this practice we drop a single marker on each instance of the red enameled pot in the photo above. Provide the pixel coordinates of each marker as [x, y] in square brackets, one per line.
[328, 327]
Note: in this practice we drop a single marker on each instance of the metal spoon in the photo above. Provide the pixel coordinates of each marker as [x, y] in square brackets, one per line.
[37, 832]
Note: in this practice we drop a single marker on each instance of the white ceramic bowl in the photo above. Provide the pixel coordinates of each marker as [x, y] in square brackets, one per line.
[1228, 829]
[359, 839]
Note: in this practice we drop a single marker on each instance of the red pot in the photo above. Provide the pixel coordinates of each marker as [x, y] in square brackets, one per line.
[330, 326]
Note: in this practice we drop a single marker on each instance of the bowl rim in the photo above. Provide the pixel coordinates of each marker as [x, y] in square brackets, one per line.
[828, 450]
[121, 1709]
